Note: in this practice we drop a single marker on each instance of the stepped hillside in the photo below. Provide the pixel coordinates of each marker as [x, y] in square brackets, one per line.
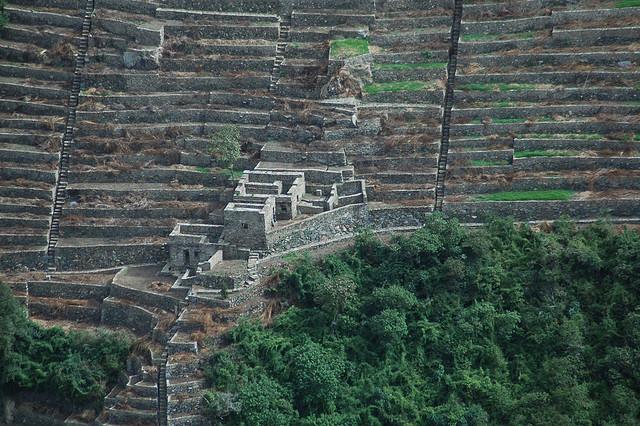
[114, 213]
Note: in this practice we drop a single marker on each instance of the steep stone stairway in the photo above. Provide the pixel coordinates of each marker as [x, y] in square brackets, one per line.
[37, 51]
[408, 43]
[135, 403]
[184, 379]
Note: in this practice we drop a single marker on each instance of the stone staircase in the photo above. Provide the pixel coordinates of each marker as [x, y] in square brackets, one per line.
[68, 136]
[452, 65]
[281, 49]
[136, 403]
[37, 53]
[401, 106]
[184, 380]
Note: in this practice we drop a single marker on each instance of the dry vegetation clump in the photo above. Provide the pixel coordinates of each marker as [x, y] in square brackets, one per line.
[61, 54]
[160, 286]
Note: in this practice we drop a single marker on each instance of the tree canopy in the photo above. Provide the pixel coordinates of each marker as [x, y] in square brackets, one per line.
[78, 366]
[448, 326]
[225, 145]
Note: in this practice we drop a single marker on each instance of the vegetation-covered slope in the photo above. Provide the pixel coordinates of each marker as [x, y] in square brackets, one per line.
[76, 367]
[502, 325]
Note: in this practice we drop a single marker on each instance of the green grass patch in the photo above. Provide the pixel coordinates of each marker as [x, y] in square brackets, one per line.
[628, 3]
[488, 163]
[228, 173]
[232, 174]
[414, 66]
[503, 87]
[396, 86]
[637, 137]
[542, 195]
[503, 104]
[348, 48]
[544, 153]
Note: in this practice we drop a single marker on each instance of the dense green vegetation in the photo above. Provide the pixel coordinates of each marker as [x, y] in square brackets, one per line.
[534, 195]
[628, 3]
[397, 86]
[502, 325]
[78, 367]
[348, 48]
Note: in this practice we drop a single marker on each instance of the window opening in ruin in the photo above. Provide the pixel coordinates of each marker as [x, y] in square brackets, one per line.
[245, 226]
[187, 258]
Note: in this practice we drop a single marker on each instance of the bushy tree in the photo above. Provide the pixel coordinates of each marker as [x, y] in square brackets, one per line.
[225, 146]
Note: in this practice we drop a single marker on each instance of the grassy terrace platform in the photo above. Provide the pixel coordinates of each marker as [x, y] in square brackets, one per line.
[543, 195]
[348, 48]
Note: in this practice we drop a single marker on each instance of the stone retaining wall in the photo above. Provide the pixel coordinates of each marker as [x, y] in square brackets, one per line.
[144, 298]
[20, 260]
[344, 221]
[582, 183]
[64, 290]
[135, 318]
[575, 163]
[68, 312]
[542, 210]
[108, 256]
[323, 226]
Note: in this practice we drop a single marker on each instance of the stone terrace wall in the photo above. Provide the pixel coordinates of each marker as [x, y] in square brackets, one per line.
[344, 222]
[324, 226]
[106, 256]
[543, 210]
[269, 6]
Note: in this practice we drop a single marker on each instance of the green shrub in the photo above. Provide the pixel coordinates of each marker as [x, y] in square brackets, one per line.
[225, 146]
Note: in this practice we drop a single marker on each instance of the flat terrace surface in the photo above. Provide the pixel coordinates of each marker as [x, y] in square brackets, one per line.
[145, 278]
[229, 268]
